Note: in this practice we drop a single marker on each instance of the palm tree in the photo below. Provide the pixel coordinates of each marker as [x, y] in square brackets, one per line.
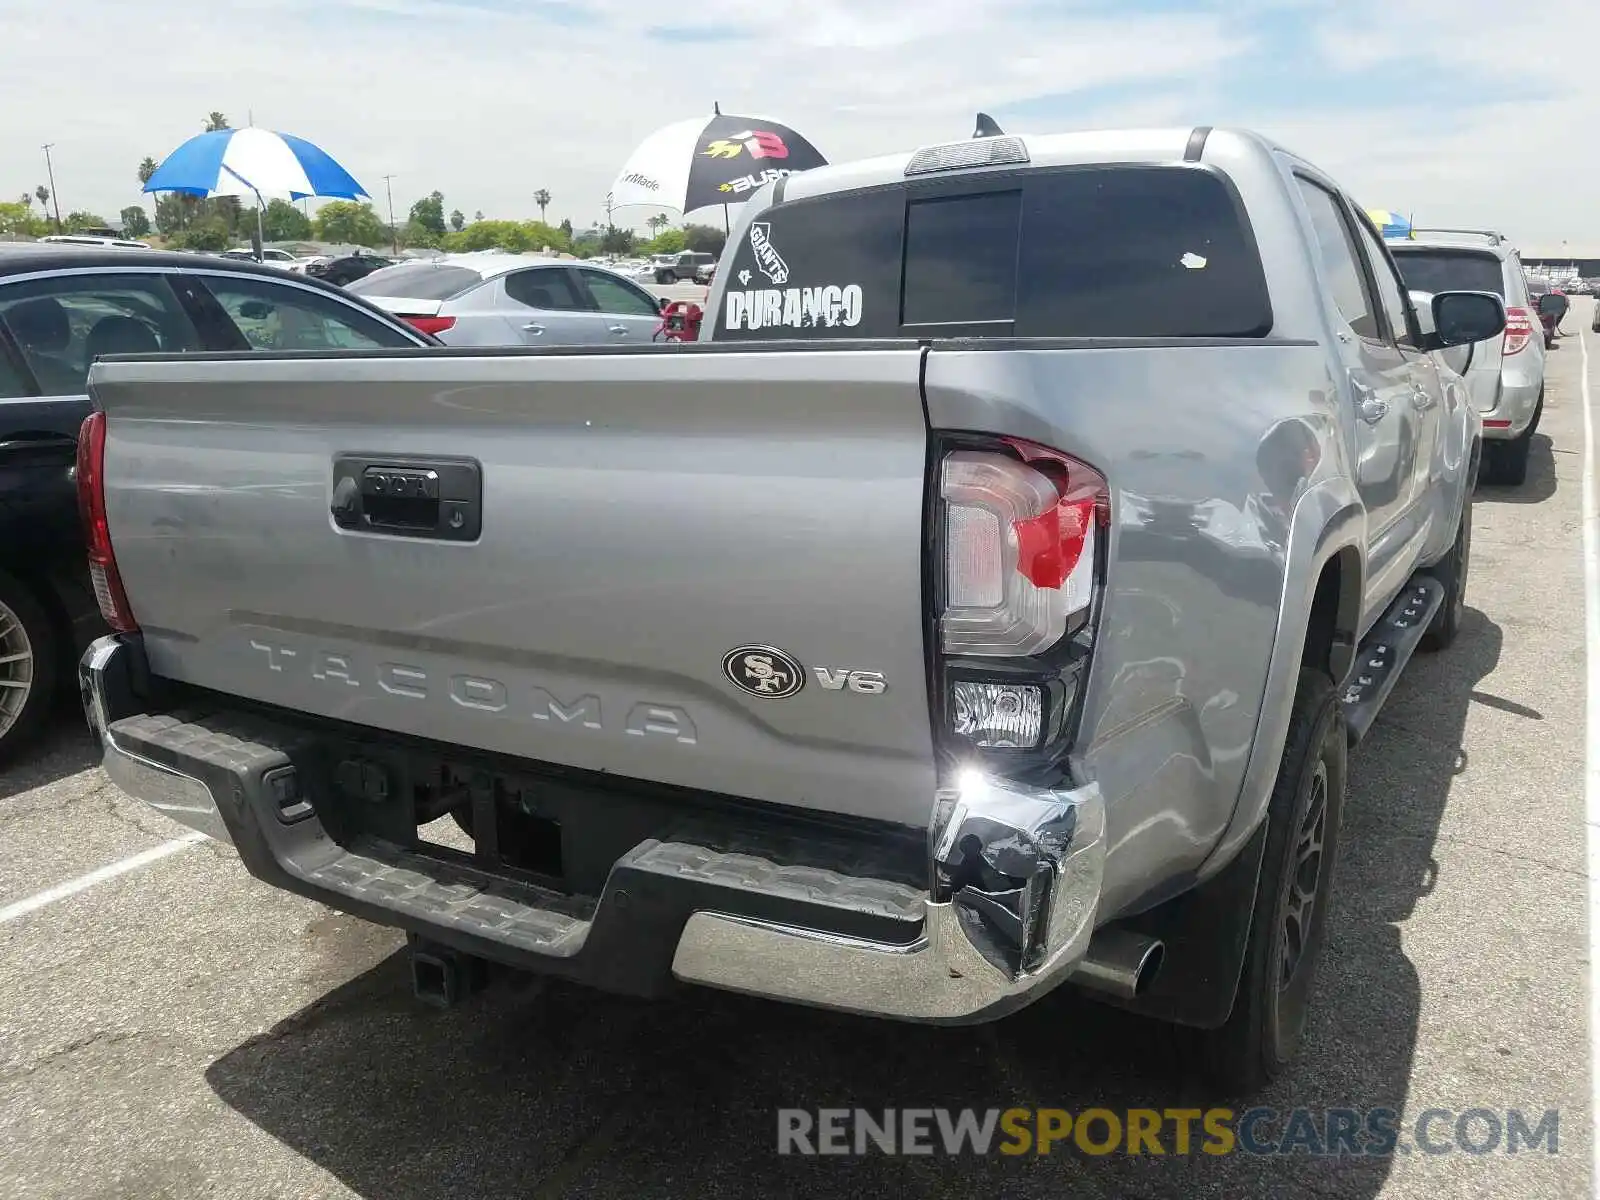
[44, 196]
[542, 199]
[658, 222]
[216, 121]
[147, 168]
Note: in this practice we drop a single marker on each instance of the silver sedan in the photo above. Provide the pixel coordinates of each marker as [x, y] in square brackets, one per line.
[497, 299]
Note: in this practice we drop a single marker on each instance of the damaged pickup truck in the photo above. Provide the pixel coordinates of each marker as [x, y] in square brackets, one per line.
[987, 604]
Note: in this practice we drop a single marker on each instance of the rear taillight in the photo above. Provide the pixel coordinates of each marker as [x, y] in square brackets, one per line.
[1519, 330]
[1022, 527]
[430, 325]
[103, 574]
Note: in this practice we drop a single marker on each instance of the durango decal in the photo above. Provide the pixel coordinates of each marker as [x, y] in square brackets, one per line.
[794, 308]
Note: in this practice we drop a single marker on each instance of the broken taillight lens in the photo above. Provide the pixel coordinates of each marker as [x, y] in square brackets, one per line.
[1020, 548]
[108, 590]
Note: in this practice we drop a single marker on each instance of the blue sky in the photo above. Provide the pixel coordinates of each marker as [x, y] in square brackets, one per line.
[1455, 109]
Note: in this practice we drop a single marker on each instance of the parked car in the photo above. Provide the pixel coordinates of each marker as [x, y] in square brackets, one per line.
[495, 299]
[835, 668]
[685, 266]
[1505, 374]
[345, 269]
[270, 255]
[61, 308]
[94, 239]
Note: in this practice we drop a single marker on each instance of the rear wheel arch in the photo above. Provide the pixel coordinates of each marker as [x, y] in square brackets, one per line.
[1330, 643]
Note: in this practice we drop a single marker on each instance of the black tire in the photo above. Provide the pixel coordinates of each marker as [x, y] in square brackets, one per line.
[1287, 927]
[1451, 571]
[25, 628]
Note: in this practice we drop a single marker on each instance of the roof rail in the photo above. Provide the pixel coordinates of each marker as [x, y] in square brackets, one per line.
[1494, 238]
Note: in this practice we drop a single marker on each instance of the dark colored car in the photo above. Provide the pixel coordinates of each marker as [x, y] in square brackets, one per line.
[61, 308]
[347, 269]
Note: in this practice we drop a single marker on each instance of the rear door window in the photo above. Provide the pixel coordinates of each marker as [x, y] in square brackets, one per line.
[62, 324]
[1341, 266]
[417, 281]
[1162, 251]
[273, 316]
[1451, 271]
[548, 288]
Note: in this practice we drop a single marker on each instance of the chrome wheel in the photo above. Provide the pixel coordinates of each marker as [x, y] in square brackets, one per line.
[16, 668]
[1300, 906]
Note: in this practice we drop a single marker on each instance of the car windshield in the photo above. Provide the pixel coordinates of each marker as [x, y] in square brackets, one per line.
[1451, 271]
[418, 281]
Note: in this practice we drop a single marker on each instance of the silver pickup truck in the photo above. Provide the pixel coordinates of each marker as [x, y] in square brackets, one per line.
[986, 604]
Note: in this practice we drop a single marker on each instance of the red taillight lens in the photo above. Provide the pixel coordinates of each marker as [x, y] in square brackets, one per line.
[103, 574]
[1519, 330]
[430, 325]
[1020, 532]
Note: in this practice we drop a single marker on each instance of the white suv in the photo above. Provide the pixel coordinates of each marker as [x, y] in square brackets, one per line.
[1505, 374]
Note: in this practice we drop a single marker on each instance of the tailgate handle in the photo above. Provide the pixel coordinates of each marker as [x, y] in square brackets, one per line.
[408, 497]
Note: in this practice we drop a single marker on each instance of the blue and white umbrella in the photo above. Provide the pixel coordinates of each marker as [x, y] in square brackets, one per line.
[253, 162]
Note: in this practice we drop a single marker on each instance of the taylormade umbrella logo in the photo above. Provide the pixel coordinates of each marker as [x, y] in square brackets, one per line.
[767, 256]
[643, 181]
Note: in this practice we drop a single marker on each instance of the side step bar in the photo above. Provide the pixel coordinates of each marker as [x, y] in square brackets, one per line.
[1387, 650]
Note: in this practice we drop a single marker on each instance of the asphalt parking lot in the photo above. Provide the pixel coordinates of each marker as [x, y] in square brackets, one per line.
[182, 1030]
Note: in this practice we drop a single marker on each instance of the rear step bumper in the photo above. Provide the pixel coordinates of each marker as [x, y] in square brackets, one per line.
[1015, 876]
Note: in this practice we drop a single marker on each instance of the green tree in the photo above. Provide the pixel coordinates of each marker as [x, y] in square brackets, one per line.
[542, 199]
[135, 221]
[457, 220]
[44, 197]
[209, 232]
[283, 222]
[172, 212]
[17, 219]
[216, 121]
[617, 241]
[76, 222]
[478, 216]
[489, 235]
[147, 168]
[429, 213]
[707, 238]
[657, 223]
[413, 233]
[536, 235]
[566, 227]
[668, 241]
[347, 221]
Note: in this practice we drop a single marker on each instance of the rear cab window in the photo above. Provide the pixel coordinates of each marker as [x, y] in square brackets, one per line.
[1105, 251]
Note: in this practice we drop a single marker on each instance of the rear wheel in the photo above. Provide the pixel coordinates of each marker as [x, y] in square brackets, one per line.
[1287, 930]
[29, 660]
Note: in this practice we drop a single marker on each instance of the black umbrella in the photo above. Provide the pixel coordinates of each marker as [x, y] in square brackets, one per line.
[713, 160]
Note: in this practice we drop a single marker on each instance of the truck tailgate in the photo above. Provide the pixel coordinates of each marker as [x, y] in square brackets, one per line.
[642, 516]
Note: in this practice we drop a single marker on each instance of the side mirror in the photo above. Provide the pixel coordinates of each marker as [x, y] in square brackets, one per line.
[661, 303]
[1552, 305]
[1460, 318]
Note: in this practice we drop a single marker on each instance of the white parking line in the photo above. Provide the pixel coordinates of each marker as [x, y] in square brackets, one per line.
[1591, 787]
[72, 887]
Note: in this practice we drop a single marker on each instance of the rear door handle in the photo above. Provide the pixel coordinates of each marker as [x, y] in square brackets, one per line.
[535, 327]
[622, 329]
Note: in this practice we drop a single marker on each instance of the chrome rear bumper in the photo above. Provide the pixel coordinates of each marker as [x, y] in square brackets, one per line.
[1014, 880]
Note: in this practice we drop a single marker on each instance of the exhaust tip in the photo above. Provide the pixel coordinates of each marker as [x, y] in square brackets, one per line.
[1121, 963]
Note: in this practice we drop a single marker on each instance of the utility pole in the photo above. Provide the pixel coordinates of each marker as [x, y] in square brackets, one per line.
[49, 169]
[394, 230]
